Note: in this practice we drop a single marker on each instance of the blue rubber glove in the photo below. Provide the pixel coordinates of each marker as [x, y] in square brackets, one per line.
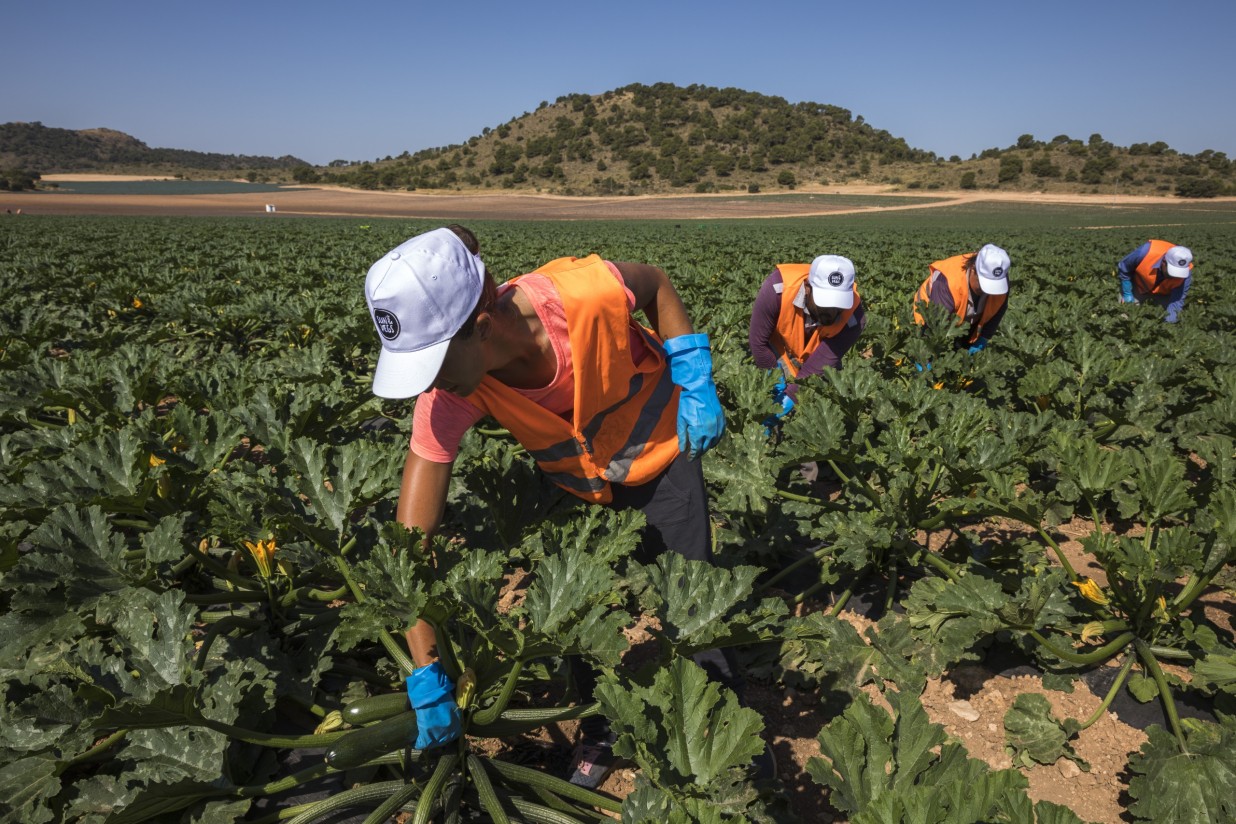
[918, 367]
[1126, 291]
[772, 424]
[433, 697]
[778, 390]
[978, 346]
[701, 422]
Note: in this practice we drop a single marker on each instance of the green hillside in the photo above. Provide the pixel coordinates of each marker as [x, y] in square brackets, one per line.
[661, 139]
[48, 150]
[665, 138]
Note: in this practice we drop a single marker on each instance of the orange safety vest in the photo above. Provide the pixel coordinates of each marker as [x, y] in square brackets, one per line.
[953, 270]
[624, 424]
[1145, 270]
[790, 340]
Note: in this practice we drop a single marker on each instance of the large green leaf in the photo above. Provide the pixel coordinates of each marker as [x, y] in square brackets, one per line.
[1197, 787]
[1035, 736]
[26, 785]
[683, 729]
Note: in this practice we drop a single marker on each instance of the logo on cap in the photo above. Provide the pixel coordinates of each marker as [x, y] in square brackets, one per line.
[836, 279]
[998, 272]
[387, 323]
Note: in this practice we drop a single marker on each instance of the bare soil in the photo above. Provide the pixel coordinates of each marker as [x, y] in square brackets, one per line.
[483, 204]
[970, 702]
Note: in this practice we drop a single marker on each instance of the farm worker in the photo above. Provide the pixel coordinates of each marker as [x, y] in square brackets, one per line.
[972, 286]
[805, 318]
[1158, 272]
[613, 413]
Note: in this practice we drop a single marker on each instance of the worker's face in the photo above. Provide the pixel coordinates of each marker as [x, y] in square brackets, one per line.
[822, 315]
[464, 366]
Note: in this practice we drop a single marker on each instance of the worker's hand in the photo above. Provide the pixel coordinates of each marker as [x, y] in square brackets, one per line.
[701, 421]
[778, 390]
[978, 346]
[1126, 292]
[918, 367]
[772, 424]
[432, 695]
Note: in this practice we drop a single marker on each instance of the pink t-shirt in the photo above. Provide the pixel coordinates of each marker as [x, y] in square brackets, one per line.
[440, 418]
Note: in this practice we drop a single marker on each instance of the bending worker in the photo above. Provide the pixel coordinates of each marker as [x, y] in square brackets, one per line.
[1157, 272]
[805, 318]
[972, 286]
[614, 413]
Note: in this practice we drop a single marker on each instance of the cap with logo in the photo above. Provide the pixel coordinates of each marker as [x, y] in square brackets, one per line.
[419, 294]
[992, 265]
[1177, 262]
[832, 282]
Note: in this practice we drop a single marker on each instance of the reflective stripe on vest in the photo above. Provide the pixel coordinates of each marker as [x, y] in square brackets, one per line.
[623, 426]
[1148, 279]
[790, 341]
[954, 271]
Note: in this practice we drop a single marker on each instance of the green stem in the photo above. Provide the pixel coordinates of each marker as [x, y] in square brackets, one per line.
[1051, 542]
[807, 499]
[942, 566]
[222, 627]
[808, 592]
[101, 747]
[844, 597]
[806, 559]
[1095, 656]
[1111, 693]
[364, 795]
[401, 657]
[324, 596]
[286, 783]
[264, 739]
[891, 592]
[515, 772]
[491, 713]
[1160, 680]
[215, 598]
[182, 566]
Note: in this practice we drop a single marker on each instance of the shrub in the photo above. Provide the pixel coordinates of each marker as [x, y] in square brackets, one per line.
[1198, 187]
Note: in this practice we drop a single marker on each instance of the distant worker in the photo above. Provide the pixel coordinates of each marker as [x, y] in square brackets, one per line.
[805, 318]
[1157, 272]
[972, 286]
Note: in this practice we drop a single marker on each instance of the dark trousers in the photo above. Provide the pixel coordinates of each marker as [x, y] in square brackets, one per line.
[675, 505]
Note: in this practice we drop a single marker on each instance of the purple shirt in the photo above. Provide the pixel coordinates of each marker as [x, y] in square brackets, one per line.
[764, 327]
[941, 296]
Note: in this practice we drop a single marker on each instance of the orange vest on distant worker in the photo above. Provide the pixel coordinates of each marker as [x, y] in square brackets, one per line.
[624, 423]
[1145, 273]
[953, 270]
[790, 340]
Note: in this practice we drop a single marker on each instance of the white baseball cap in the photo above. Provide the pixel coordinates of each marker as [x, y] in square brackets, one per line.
[992, 265]
[832, 281]
[1178, 262]
[419, 294]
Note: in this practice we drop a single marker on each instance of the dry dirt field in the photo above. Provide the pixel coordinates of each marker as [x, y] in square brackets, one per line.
[339, 202]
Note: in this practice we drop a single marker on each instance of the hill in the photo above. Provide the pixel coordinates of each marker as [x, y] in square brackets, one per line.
[46, 150]
[664, 138]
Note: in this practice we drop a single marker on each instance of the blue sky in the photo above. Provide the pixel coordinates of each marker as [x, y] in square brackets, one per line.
[360, 81]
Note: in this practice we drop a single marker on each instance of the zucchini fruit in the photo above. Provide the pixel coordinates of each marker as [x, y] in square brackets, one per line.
[362, 745]
[376, 708]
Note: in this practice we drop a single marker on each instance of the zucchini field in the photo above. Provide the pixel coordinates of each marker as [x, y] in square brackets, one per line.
[203, 590]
